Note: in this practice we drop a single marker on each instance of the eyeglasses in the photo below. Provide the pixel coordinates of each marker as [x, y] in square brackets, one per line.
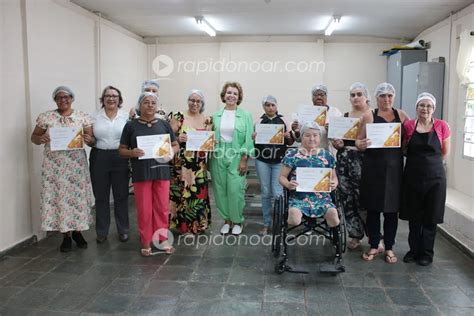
[320, 94]
[109, 96]
[425, 106]
[194, 101]
[358, 94]
[64, 97]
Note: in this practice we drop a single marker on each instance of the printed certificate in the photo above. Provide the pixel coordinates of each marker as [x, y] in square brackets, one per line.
[313, 179]
[66, 138]
[344, 128]
[384, 135]
[154, 146]
[313, 113]
[200, 141]
[270, 134]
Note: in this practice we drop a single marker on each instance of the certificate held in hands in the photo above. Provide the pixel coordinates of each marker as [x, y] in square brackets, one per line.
[154, 146]
[270, 134]
[66, 138]
[313, 179]
[309, 113]
[384, 135]
[344, 128]
[200, 141]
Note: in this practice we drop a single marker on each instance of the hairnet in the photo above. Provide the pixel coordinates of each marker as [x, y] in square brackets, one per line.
[384, 88]
[426, 96]
[319, 87]
[310, 125]
[140, 99]
[63, 89]
[201, 95]
[361, 86]
[148, 83]
[270, 99]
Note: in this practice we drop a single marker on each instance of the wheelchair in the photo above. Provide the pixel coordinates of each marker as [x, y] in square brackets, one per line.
[281, 238]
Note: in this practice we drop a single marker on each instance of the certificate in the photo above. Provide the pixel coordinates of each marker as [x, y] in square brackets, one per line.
[344, 128]
[310, 113]
[66, 138]
[200, 141]
[270, 134]
[384, 135]
[154, 146]
[313, 179]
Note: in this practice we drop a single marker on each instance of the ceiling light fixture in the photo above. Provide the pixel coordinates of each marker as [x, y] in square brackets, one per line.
[336, 19]
[205, 26]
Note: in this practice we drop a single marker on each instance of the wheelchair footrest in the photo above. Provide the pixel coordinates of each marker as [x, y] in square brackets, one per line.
[332, 268]
[283, 267]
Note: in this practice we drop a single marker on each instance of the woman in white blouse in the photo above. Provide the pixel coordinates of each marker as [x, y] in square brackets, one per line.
[107, 168]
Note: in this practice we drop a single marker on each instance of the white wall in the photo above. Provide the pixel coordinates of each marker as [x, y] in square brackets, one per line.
[15, 224]
[337, 65]
[64, 45]
[444, 38]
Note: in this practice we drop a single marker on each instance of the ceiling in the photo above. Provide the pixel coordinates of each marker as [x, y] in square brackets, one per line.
[397, 19]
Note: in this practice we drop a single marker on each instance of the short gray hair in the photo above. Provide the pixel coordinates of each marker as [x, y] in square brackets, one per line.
[310, 125]
[201, 95]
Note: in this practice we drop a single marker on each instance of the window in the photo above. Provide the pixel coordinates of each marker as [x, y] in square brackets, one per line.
[468, 150]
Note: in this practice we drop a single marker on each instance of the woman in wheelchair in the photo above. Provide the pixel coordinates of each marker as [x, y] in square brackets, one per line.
[309, 204]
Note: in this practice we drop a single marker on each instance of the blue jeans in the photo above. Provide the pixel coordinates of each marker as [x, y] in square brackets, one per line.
[270, 188]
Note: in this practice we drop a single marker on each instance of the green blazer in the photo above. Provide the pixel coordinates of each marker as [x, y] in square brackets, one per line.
[242, 139]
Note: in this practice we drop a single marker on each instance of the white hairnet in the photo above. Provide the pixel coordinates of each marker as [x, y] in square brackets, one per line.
[148, 83]
[64, 89]
[201, 95]
[384, 88]
[319, 87]
[141, 97]
[310, 125]
[361, 86]
[270, 99]
[426, 96]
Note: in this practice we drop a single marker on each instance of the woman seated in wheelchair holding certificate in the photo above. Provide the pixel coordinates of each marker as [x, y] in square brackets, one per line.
[317, 202]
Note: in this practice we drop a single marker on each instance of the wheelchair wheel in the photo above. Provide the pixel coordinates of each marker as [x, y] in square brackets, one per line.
[342, 232]
[277, 227]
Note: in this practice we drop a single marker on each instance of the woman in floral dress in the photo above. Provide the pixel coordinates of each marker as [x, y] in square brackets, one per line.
[66, 192]
[190, 210]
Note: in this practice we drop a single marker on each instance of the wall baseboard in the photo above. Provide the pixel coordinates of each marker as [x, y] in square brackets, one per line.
[27, 242]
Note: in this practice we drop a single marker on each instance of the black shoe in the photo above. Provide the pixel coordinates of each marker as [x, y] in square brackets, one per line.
[66, 245]
[123, 237]
[80, 241]
[101, 239]
[409, 257]
[425, 261]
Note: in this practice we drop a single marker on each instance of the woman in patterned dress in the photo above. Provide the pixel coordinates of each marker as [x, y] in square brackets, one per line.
[349, 168]
[66, 192]
[309, 204]
[190, 210]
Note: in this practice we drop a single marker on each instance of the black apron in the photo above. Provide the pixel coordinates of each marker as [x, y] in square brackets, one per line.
[424, 180]
[382, 169]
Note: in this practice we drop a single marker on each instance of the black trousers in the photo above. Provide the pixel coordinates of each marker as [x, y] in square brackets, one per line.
[390, 225]
[108, 171]
[421, 240]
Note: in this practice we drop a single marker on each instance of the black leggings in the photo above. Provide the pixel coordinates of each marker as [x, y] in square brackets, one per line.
[390, 225]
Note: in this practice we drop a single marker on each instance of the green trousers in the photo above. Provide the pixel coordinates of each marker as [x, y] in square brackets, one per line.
[227, 185]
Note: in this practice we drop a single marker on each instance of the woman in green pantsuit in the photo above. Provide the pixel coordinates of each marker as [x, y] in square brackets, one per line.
[233, 129]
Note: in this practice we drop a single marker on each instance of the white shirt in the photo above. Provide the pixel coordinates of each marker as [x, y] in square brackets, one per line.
[107, 132]
[227, 126]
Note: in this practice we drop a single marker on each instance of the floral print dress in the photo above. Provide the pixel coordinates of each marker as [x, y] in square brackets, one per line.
[66, 191]
[311, 204]
[190, 209]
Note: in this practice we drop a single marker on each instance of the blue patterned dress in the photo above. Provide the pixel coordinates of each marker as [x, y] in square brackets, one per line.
[311, 204]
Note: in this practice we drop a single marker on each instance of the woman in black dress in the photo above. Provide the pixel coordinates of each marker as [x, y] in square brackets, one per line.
[427, 142]
[382, 168]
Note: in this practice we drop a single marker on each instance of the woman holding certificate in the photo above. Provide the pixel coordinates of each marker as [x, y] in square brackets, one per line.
[108, 169]
[427, 143]
[150, 143]
[233, 128]
[349, 166]
[271, 141]
[315, 201]
[66, 193]
[190, 209]
[382, 167]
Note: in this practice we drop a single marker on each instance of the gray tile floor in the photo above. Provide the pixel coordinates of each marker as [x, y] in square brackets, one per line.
[215, 276]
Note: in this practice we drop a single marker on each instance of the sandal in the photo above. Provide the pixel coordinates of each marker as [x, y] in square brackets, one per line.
[166, 248]
[370, 255]
[390, 257]
[263, 231]
[146, 252]
[381, 247]
[354, 244]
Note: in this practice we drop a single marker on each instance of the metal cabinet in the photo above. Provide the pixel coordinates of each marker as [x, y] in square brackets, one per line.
[395, 64]
[422, 77]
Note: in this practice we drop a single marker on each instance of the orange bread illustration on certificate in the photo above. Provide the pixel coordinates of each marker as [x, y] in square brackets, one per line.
[353, 131]
[394, 139]
[208, 145]
[323, 184]
[321, 118]
[164, 148]
[278, 137]
[77, 142]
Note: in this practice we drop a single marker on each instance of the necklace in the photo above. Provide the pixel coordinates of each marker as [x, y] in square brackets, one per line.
[148, 123]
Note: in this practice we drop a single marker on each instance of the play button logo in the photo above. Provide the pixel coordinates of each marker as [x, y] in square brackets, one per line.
[163, 65]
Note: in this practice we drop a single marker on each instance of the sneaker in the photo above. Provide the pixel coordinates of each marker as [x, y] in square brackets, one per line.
[66, 245]
[79, 239]
[225, 229]
[236, 230]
